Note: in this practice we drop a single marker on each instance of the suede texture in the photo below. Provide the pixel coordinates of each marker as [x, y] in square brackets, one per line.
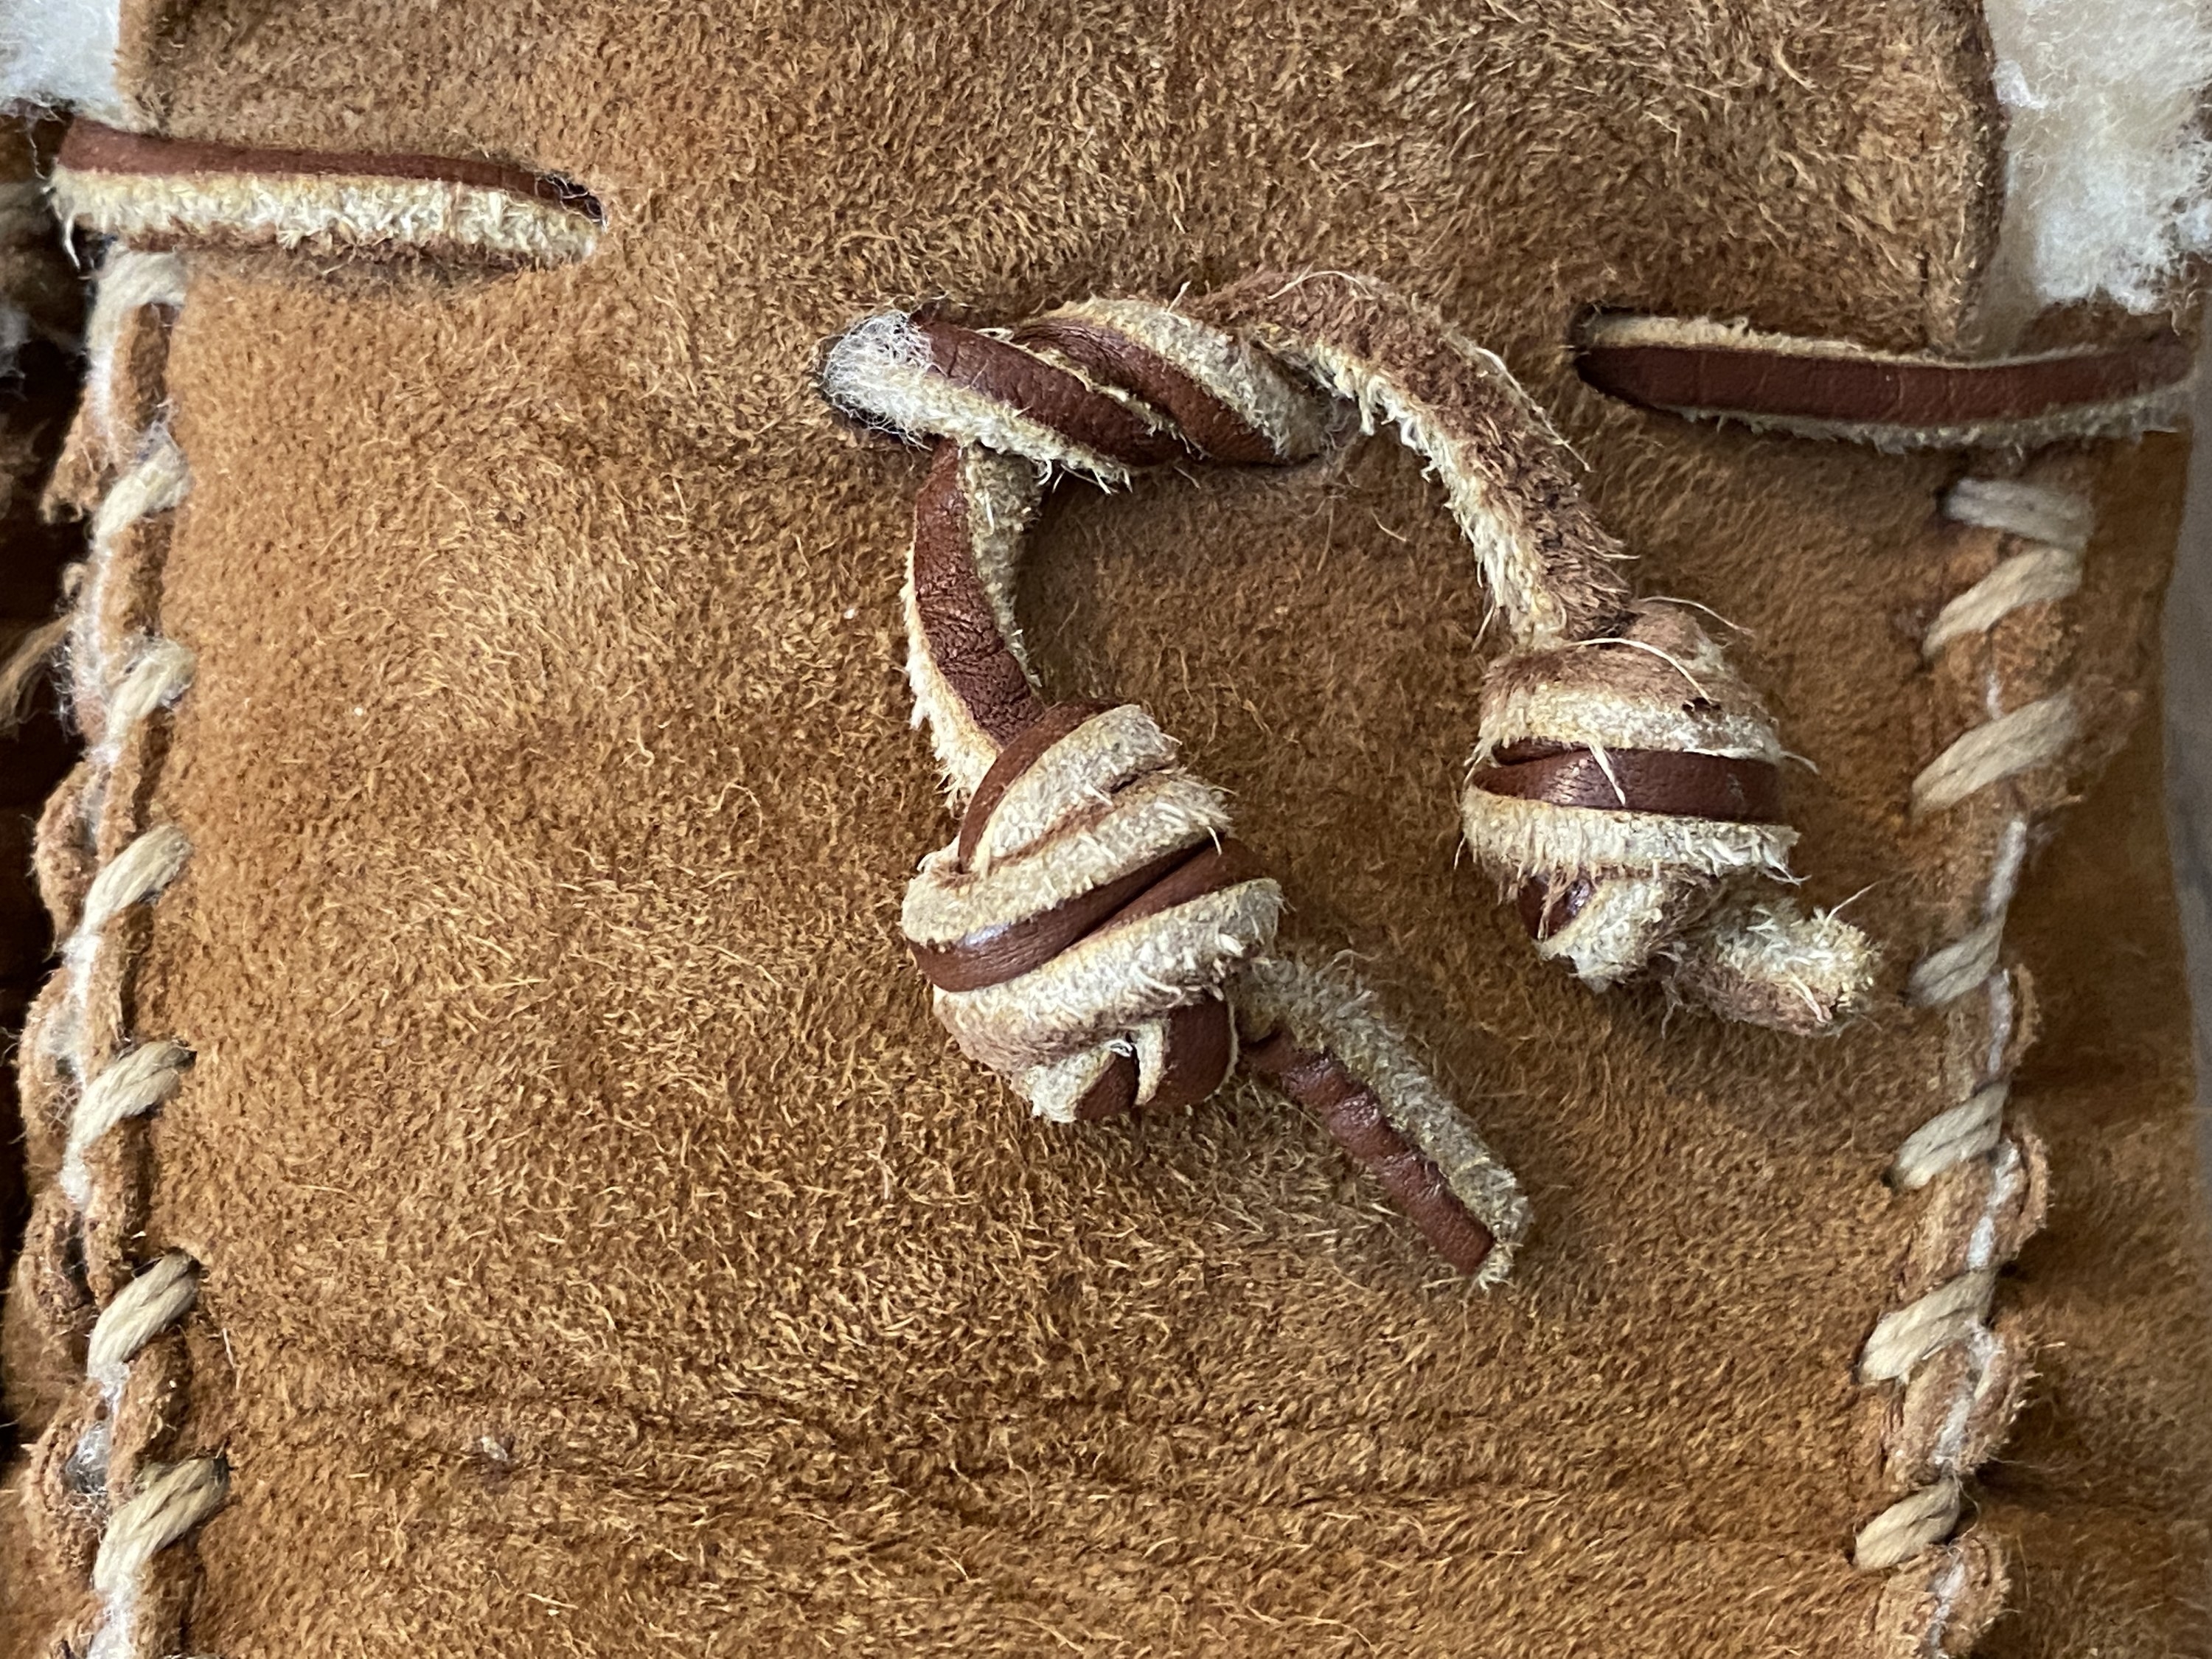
[602, 1247]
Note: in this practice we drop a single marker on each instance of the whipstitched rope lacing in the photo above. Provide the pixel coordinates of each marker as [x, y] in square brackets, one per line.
[1956, 1377]
[98, 1466]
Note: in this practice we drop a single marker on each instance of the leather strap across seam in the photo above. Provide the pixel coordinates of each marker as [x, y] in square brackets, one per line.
[92, 147]
[1872, 389]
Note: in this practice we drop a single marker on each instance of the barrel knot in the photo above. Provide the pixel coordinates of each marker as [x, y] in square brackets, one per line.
[1626, 788]
[1079, 932]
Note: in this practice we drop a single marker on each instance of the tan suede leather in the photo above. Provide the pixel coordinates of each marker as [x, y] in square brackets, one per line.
[602, 1247]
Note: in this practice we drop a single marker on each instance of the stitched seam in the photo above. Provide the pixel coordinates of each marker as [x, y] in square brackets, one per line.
[2042, 531]
[127, 680]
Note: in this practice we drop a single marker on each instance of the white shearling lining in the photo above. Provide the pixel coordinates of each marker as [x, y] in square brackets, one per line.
[2108, 170]
[62, 51]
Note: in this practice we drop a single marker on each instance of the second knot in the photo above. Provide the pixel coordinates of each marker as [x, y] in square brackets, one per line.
[1627, 790]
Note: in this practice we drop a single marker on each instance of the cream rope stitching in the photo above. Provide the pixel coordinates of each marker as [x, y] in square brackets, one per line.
[2053, 518]
[172, 1501]
[135, 1082]
[1903, 1338]
[1953, 1315]
[127, 285]
[1967, 1131]
[2037, 576]
[1955, 1400]
[1909, 1526]
[120, 686]
[2033, 735]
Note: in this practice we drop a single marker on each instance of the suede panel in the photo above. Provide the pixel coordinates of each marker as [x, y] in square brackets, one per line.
[1819, 170]
[602, 1244]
